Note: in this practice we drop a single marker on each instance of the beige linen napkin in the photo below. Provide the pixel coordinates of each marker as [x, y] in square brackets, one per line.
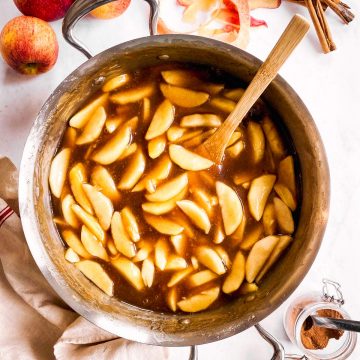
[34, 322]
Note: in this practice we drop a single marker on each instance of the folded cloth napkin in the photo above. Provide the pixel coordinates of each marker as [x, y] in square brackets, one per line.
[34, 322]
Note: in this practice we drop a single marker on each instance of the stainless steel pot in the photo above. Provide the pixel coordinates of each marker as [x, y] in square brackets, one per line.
[46, 246]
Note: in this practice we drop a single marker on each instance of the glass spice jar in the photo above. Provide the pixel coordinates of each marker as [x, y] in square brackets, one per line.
[309, 304]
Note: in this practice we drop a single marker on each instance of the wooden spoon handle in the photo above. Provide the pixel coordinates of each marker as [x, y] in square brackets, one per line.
[290, 38]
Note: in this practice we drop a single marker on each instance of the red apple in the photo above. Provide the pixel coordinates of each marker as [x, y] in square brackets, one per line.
[111, 10]
[48, 10]
[29, 45]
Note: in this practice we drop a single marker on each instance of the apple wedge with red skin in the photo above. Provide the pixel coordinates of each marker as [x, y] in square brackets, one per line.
[29, 45]
[48, 10]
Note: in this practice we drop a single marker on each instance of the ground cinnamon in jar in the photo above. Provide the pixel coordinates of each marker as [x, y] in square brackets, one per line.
[314, 337]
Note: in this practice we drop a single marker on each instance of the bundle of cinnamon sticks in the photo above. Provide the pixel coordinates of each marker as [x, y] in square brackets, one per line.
[317, 9]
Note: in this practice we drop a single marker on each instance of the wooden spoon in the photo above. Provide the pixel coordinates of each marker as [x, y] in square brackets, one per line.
[213, 148]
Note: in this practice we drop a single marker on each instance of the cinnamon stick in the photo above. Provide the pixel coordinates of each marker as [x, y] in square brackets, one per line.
[341, 9]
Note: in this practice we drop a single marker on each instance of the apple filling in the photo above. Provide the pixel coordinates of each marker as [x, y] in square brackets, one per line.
[147, 219]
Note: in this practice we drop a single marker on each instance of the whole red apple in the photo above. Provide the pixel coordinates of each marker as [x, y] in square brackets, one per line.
[111, 10]
[48, 10]
[29, 45]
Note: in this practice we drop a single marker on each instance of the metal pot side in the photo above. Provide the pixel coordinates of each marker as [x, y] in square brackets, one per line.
[121, 318]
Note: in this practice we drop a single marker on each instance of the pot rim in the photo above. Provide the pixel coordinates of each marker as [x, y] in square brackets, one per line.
[42, 259]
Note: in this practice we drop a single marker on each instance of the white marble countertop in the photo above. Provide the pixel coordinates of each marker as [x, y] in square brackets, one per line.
[328, 84]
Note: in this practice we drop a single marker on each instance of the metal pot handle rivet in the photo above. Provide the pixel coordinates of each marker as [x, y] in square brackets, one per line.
[80, 8]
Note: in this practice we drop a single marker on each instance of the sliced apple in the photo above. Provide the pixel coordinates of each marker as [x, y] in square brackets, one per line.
[69, 138]
[256, 140]
[111, 247]
[95, 272]
[179, 77]
[93, 127]
[146, 110]
[194, 262]
[131, 149]
[282, 244]
[237, 274]
[201, 278]
[286, 173]
[258, 255]
[58, 171]
[157, 146]
[210, 259]
[101, 204]
[71, 256]
[133, 171]
[285, 195]
[148, 272]
[234, 94]
[161, 253]
[219, 234]
[231, 207]
[224, 256]
[77, 177]
[188, 160]
[130, 223]
[169, 189]
[201, 120]
[114, 147]
[179, 276]
[284, 217]
[90, 221]
[116, 82]
[101, 178]
[121, 239]
[160, 171]
[197, 137]
[112, 124]
[80, 119]
[92, 244]
[163, 225]
[175, 262]
[199, 301]
[273, 138]
[196, 214]
[133, 95]
[179, 243]
[175, 132]
[235, 150]
[252, 236]
[130, 272]
[244, 177]
[269, 219]
[73, 241]
[204, 199]
[183, 97]
[172, 297]
[238, 235]
[145, 250]
[162, 120]
[223, 104]
[248, 288]
[67, 212]
[180, 218]
[160, 208]
[258, 194]
[235, 137]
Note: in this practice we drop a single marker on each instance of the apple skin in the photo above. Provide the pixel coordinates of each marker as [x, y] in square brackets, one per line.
[48, 10]
[111, 10]
[29, 45]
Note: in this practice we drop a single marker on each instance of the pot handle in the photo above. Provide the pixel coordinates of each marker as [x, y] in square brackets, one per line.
[80, 8]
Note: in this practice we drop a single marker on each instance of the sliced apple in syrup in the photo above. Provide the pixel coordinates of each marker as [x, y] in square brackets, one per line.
[188, 160]
[199, 301]
[101, 178]
[58, 171]
[73, 241]
[284, 217]
[201, 278]
[116, 82]
[210, 258]
[196, 214]
[256, 140]
[95, 272]
[161, 253]
[71, 256]
[148, 272]
[130, 272]
[237, 274]
[133, 95]
[130, 223]
[156, 146]
[92, 244]
[201, 120]
[179, 276]
[67, 212]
